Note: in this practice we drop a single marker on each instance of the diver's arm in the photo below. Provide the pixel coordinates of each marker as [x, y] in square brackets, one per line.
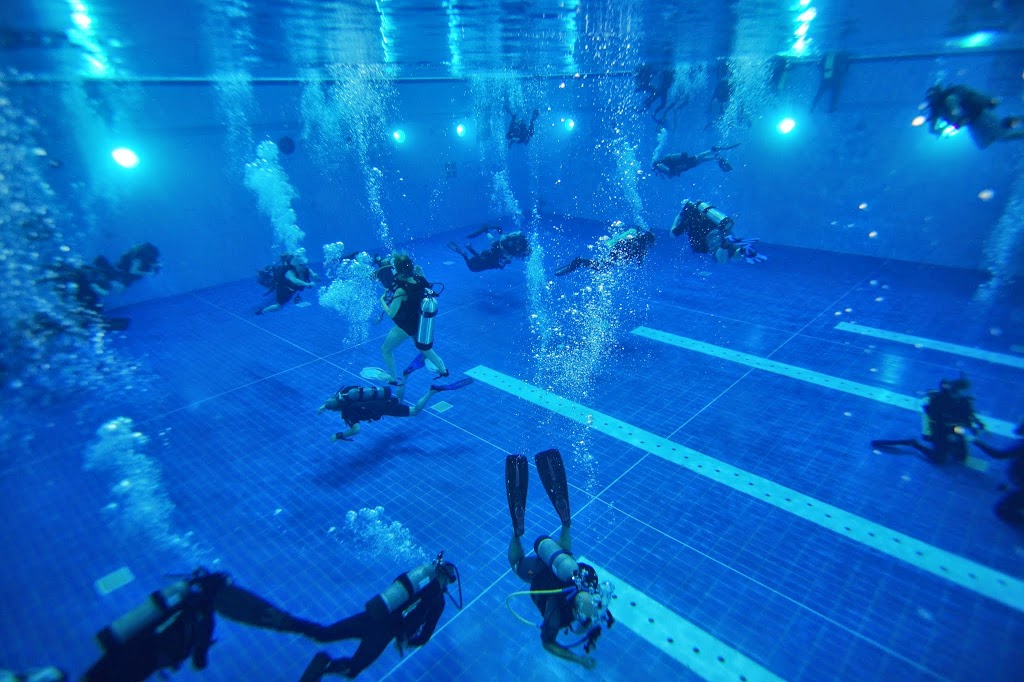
[290, 276]
[556, 649]
[396, 303]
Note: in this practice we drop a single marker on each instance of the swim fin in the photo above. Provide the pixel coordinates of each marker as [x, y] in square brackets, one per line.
[552, 477]
[242, 606]
[517, 477]
[316, 668]
[724, 149]
[417, 363]
[454, 386]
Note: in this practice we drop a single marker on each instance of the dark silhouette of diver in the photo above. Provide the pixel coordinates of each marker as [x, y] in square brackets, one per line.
[568, 594]
[1011, 508]
[89, 284]
[285, 279]
[673, 165]
[371, 403]
[948, 414]
[958, 106]
[176, 624]
[658, 85]
[834, 66]
[710, 231]
[629, 246]
[407, 612]
[503, 250]
[519, 131]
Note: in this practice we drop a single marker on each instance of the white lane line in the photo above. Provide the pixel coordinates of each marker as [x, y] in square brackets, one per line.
[882, 395]
[956, 569]
[696, 649]
[943, 346]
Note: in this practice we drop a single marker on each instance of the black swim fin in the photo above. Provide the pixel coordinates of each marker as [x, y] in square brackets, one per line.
[316, 668]
[242, 606]
[454, 386]
[552, 477]
[517, 477]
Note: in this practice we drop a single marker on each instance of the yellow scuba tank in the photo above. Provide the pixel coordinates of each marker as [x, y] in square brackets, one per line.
[557, 559]
[400, 591]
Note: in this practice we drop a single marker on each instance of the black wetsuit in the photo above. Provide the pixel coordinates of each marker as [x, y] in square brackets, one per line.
[408, 316]
[947, 413]
[355, 411]
[284, 288]
[676, 164]
[626, 250]
[493, 258]
[557, 609]
[415, 629]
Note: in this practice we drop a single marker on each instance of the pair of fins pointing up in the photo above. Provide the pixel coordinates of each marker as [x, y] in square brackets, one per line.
[552, 476]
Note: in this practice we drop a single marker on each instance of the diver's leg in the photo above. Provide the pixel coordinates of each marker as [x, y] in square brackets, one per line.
[421, 403]
[442, 369]
[1011, 508]
[565, 539]
[353, 627]
[269, 309]
[243, 606]
[370, 649]
[393, 340]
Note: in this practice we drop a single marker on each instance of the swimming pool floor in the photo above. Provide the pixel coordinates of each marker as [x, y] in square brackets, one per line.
[740, 496]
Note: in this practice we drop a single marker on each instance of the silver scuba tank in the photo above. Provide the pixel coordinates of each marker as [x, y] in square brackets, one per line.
[428, 311]
[400, 591]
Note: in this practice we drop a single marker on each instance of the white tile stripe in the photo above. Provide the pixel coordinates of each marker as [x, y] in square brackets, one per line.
[882, 395]
[943, 346]
[710, 658]
[959, 570]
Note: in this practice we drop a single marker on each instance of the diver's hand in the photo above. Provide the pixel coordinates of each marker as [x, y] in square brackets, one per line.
[322, 408]
[588, 662]
[338, 436]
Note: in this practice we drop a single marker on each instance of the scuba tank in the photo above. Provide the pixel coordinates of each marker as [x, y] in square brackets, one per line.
[400, 591]
[144, 617]
[428, 311]
[694, 210]
[354, 394]
[557, 559]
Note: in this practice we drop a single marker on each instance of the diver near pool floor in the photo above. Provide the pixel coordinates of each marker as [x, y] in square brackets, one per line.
[286, 279]
[955, 107]
[407, 612]
[371, 403]
[1011, 508]
[710, 231]
[568, 594]
[503, 250]
[948, 414]
[628, 246]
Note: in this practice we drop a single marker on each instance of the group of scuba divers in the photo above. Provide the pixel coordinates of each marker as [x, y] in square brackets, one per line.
[176, 624]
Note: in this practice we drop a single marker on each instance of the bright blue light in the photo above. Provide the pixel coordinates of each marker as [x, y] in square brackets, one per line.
[460, 130]
[786, 126]
[807, 16]
[125, 157]
[979, 39]
[570, 124]
[399, 135]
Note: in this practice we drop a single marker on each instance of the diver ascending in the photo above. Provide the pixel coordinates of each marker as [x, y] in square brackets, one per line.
[567, 593]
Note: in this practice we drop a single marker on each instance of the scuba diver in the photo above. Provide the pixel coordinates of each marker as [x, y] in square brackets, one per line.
[567, 593]
[673, 165]
[658, 85]
[519, 131]
[176, 624]
[834, 66]
[950, 109]
[89, 284]
[947, 414]
[628, 246]
[503, 250]
[407, 612]
[710, 231]
[286, 279]
[411, 303]
[371, 403]
[1011, 508]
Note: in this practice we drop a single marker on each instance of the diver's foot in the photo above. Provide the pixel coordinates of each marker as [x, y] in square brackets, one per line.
[259, 311]
[454, 247]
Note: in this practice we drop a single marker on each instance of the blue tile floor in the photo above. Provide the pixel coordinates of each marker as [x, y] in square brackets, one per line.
[249, 482]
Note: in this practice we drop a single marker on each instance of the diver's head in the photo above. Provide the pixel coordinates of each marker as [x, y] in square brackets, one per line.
[402, 264]
[960, 385]
[585, 608]
[516, 244]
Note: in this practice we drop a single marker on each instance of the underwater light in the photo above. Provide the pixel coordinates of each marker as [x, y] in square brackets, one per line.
[978, 39]
[569, 124]
[125, 157]
[786, 126]
[399, 135]
[460, 130]
[808, 15]
[918, 121]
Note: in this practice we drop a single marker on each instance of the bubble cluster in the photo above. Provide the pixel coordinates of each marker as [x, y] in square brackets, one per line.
[373, 536]
[274, 192]
[1004, 249]
[352, 291]
[140, 509]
